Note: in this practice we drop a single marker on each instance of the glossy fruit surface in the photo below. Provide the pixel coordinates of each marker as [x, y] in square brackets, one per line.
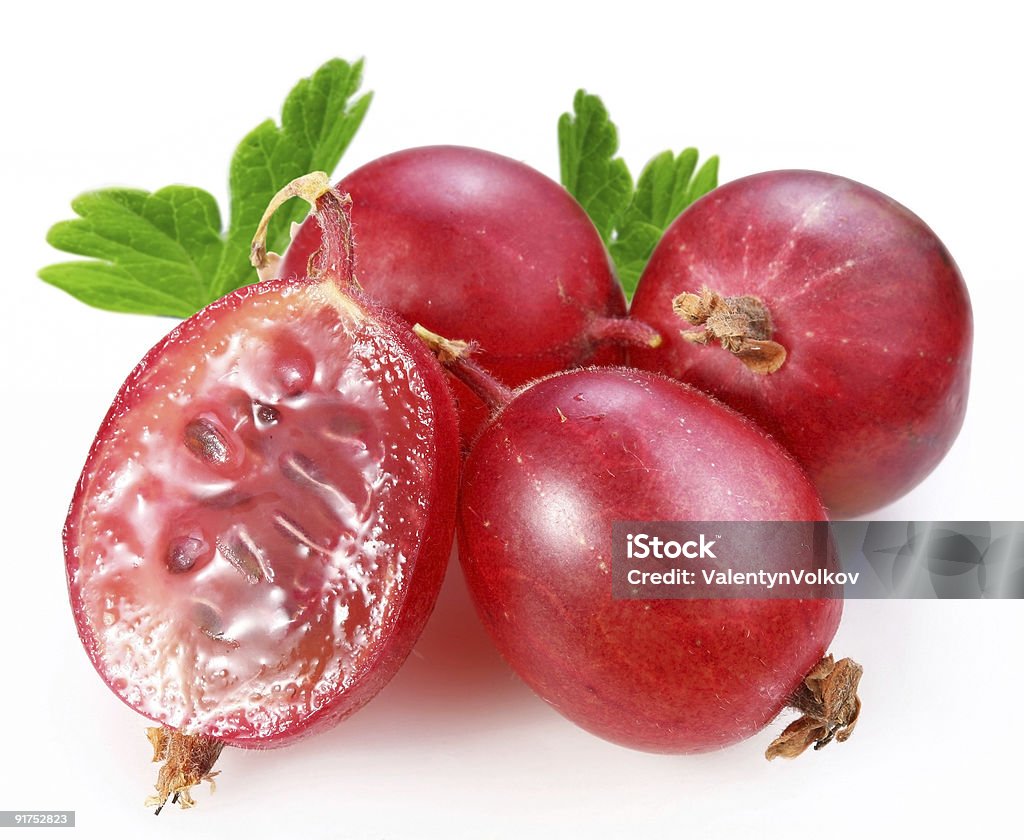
[542, 486]
[480, 247]
[263, 522]
[870, 309]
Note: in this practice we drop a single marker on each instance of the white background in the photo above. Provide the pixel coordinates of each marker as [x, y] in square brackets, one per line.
[923, 104]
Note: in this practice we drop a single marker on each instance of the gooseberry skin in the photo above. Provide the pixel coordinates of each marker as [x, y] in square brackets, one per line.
[541, 487]
[479, 247]
[291, 423]
[869, 305]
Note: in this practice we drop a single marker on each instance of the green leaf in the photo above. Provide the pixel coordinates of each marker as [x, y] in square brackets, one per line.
[600, 182]
[631, 250]
[165, 253]
[666, 187]
[704, 181]
[631, 222]
[154, 252]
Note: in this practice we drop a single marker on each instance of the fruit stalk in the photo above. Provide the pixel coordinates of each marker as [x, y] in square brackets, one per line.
[455, 357]
[334, 259]
[623, 330]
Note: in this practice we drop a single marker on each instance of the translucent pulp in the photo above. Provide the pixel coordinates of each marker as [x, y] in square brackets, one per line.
[240, 541]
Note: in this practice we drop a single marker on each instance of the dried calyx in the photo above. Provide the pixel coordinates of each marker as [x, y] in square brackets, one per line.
[188, 760]
[742, 325]
[828, 700]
